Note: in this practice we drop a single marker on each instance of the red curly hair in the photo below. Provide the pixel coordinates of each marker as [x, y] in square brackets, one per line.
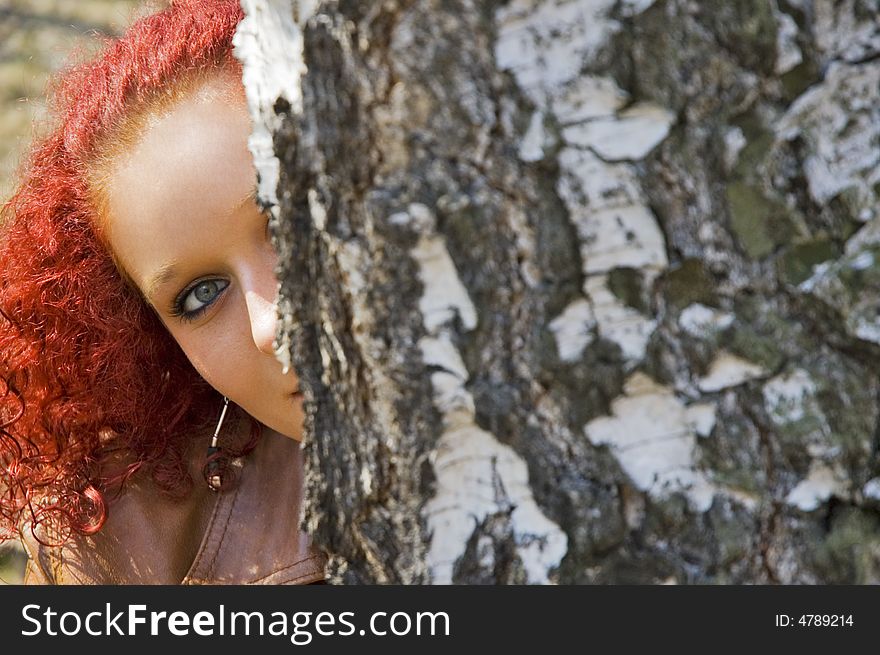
[92, 386]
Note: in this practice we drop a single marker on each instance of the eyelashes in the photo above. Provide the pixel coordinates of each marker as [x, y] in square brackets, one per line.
[195, 299]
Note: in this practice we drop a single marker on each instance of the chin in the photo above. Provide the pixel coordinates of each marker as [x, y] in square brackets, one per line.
[289, 431]
[286, 420]
[295, 436]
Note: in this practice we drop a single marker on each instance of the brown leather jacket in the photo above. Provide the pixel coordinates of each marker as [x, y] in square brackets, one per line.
[247, 535]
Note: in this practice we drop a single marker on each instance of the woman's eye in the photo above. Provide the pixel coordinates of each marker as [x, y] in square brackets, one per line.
[199, 297]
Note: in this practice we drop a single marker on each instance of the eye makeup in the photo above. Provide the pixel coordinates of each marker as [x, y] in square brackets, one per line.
[196, 298]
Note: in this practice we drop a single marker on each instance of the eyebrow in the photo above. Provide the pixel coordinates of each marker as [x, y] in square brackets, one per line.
[163, 275]
[168, 271]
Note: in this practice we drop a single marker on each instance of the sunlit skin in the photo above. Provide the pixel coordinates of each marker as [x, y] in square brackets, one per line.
[183, 225]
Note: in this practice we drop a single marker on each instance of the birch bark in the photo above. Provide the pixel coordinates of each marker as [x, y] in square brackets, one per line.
[580, 291]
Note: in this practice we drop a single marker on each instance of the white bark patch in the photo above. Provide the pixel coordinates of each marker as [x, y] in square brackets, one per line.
[468, 463]
[652, 434]
[269, 44]
[438, 351]
[444, 295]
[418, 216]
[588, 97]
[822, 281]
[635, 7]
[623, 236]
[587, 182]
[867, 329]
[734, 142]
[839, 120]
[819, 485]
[545, 43]
[617, 322]
[864, 320]
[476, 475]
[729, 370]
[843, 31]
[573, 330]
[701, 417]
[615, 228]
[788, 54]
[614, 225]
[786, 395]
[862, 261]
[872, 489]
[532, 146]
[629, 136]
[455, 403]
[701, 321]
[317, 210]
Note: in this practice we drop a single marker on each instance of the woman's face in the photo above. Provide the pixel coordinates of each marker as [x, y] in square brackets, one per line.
[184, 226]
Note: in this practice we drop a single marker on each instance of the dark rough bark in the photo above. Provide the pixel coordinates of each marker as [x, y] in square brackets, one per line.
[586, 291]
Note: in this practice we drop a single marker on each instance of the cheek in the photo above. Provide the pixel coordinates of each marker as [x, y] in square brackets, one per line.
[219, 358]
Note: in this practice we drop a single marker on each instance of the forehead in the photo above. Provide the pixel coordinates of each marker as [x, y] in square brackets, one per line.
[186, 171]
[192, 154]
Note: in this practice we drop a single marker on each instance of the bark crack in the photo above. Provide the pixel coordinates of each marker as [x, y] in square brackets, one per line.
[768, 521]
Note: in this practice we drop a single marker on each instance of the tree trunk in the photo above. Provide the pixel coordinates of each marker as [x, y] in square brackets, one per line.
[579, 291]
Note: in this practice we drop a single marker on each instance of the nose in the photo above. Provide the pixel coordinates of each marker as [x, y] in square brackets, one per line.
[260, 286]
[262, 314]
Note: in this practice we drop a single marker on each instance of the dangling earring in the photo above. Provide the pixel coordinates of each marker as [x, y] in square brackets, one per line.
[214, 463]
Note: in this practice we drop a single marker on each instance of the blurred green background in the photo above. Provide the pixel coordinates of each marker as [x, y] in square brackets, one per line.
[37, 39]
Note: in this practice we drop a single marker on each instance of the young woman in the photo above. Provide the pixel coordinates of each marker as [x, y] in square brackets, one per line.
[147, 432]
